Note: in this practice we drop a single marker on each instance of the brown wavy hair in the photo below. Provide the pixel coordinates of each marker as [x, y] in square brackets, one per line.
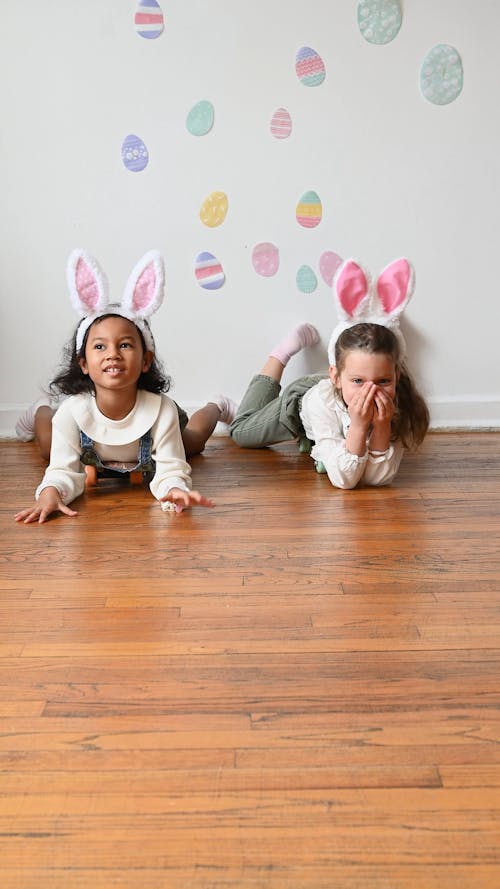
[411, 419]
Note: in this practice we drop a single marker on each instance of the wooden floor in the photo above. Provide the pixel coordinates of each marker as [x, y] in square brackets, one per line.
[296, 690]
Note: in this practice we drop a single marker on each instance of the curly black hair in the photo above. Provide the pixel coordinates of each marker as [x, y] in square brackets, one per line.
[72, 381]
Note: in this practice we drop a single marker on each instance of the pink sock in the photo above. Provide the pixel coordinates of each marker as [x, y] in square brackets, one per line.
[302, 336]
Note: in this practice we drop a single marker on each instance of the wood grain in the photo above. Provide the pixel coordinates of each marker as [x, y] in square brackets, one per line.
[299, 689]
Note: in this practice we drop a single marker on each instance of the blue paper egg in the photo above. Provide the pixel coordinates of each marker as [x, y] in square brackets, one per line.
[306, 279]
[441, 75]
[134, 154]
[200, 119]
[379, 20]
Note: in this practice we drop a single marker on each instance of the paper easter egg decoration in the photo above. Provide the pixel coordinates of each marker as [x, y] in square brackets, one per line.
[200, 119]
[329, 262]
[441, 75]
[281, 124]
[309, 67]
[266, 259]
[148, 19]
[309, 210]
[135, 155]
[306, 279]
[208, 271]
[379, 20]
[214, 209]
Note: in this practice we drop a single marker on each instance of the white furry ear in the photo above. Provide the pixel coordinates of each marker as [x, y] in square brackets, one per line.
[87, 283]
[351, 287]
[145, 287]
[395, 287]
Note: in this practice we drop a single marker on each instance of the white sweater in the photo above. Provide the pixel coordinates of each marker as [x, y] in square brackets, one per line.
[116, 441]
[326, 422]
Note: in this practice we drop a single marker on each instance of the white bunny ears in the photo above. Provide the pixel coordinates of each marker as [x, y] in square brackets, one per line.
[360, 301]
[88, 290]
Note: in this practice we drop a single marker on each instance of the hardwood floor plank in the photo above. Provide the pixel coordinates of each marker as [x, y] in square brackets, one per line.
[296, 690]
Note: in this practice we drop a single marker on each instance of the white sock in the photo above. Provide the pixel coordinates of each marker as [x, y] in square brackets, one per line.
[25, 425]
[302, 336]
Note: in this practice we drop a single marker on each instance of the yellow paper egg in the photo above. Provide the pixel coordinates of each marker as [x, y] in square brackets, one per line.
[214, 209]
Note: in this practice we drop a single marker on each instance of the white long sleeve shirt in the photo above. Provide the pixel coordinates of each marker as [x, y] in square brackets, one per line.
[326, 422]
[116, 441]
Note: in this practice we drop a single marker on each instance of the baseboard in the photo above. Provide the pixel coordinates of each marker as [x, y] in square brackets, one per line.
[455, 412]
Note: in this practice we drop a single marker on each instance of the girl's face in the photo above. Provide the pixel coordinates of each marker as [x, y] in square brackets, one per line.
[114, 354]
[365, 367]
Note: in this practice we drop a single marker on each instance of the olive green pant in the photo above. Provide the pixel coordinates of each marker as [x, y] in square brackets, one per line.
[267, 415]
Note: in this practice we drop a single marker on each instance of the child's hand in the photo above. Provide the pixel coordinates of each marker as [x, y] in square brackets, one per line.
[48, 502]
[184, 499]
[384, 408]
[362, 406]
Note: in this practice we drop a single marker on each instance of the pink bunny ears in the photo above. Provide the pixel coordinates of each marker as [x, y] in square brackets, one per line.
[360, 301]
[88, 290]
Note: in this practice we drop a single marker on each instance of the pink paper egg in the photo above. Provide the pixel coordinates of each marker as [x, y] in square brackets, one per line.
[265, 259]
[281, 124]
[329, 262]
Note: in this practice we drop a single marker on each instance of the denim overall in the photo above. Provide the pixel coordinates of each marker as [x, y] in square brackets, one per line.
[145, 464]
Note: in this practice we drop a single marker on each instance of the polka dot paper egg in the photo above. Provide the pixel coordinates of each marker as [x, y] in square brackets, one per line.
[214, 209]
[281, 124]
[148, 19]
[306, 279]
[309, 67]
[266, 259]
[135, 155]
[200, 119]
[309, 210]
[208, 271]
[441, 75]
[379, 20]
[329, 262]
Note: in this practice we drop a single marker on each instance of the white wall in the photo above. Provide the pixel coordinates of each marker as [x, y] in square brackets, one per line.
[396, 175]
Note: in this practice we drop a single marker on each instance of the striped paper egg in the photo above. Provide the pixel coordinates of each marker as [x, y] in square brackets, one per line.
[200, 119]
[281, 124]
[306, 279]
[134, 154]
[208, 271]
[309, 67]
[214, 209]
[266, 259]
[148, 19]
[329, 262]
[309, 210]
[441, 75]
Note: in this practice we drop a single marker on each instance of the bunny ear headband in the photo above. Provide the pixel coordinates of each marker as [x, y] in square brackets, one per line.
[88, 290]
[359, 301]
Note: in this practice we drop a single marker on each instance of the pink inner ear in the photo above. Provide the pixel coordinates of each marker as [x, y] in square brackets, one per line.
[144, 289]
[351, 287]
[392, 286]
[86, 285]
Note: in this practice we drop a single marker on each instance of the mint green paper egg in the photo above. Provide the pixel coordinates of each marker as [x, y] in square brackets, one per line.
[441, 75]
[306, 279]
[379, 20]
[200, 119]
